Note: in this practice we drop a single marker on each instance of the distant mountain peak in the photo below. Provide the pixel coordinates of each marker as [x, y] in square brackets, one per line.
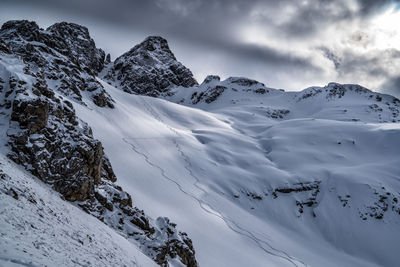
[211, 78]
[149, 68]
[70, 27]
[153, 43]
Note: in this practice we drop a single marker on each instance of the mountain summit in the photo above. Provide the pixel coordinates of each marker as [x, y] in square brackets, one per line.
[150, 68]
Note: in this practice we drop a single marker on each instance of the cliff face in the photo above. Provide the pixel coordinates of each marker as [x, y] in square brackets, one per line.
[64, 54]
[149, 68]
[41, 73]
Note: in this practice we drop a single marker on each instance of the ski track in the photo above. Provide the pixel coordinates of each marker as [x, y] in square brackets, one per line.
[16, 261]
[211, 210]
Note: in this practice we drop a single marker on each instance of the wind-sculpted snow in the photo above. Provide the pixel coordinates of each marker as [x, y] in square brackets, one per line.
[149, 68]
[283, 191]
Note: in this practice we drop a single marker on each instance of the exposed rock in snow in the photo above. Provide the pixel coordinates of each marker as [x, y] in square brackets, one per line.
[38, 228]
[212, 88]
[158, 239]
[149, 68]
[64, 55]
[347, 102]
[79, 46]
[50, 141]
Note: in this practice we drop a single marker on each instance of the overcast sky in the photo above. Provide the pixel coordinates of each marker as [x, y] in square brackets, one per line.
[290, 44]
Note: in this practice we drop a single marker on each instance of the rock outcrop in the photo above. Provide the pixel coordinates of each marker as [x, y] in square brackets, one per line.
[64, 54]
[212, 88]
[149, 68]
[80, 45]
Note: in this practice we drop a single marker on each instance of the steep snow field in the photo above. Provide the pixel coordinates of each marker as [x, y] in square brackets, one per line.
[317, 186]
[38, 228]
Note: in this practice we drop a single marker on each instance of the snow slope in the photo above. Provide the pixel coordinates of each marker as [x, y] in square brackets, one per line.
[38, 228]
[316, 186]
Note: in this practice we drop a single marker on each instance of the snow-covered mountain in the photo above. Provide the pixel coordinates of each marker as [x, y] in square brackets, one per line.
[255, 176]
[41, 72]
[149, 68]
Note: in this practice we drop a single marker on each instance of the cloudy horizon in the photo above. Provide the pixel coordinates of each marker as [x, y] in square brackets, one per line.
[287, 44]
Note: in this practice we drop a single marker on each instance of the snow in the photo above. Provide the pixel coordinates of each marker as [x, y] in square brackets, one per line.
[256, 177]
[41, 229]
[214, 169]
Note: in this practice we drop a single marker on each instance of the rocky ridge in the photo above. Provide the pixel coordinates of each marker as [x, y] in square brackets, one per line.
[212, 88]
[64, 54]
[149, 68]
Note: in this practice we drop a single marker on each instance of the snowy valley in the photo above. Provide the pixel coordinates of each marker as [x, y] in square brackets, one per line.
[133, 163]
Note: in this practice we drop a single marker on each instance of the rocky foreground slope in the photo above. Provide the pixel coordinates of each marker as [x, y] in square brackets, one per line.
[41, 72]
[38, 228]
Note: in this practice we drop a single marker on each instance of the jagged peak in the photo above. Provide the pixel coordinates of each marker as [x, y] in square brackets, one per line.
[15, 24]
[211, 78]
[149, 68]
[156, 39]
[26, 29]
[243, 81]
[79, 41]
[62, 44]
[351, 86]
[69, 29]
[153, 44]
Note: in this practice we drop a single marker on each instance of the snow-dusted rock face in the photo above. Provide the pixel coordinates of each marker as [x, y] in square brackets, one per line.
[48, 139]
[158, 239]
[65, 55]
[212, 88]
[43, 134]
[352, 101]
[54, 232]
[149, 68]
[80, 45]
[346, 102]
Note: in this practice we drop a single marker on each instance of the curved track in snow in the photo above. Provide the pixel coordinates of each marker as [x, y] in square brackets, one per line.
[262, 244]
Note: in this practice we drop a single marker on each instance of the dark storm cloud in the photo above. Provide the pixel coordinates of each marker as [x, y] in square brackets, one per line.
[307, 18]
[265, 54]
[373, 6]
[392, 86]
[331, 56]
[374, 65]
[209, 23]
[201, 20]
